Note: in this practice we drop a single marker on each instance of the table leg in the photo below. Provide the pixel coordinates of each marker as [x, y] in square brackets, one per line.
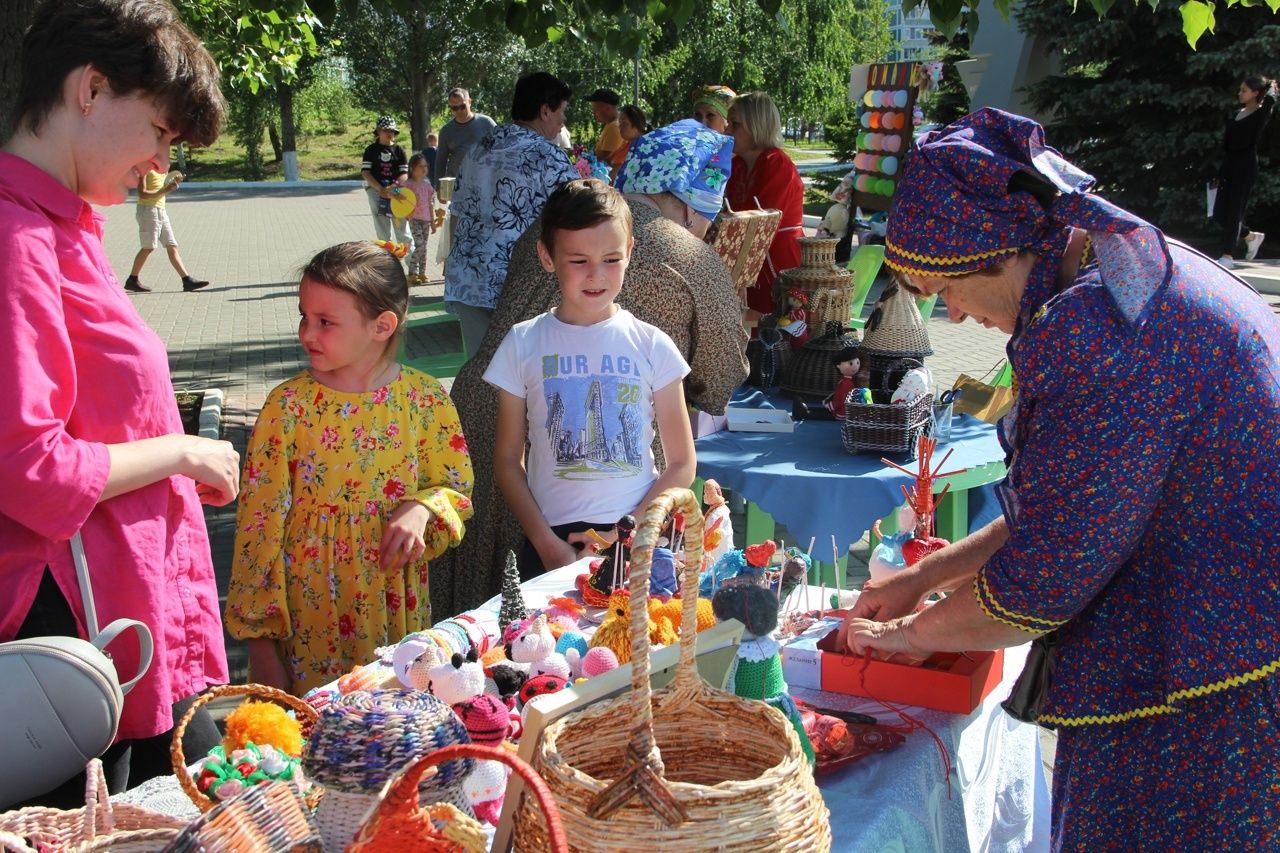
[951, 521]
[760, 524]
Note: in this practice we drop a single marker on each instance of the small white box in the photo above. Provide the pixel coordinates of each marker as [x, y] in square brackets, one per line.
[759, 420]
[802, 662]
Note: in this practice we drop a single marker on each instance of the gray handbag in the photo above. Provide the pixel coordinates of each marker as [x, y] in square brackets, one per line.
[60, 699]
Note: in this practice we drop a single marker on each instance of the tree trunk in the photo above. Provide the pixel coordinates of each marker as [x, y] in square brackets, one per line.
[288, 133]
[274, 135]
[15, 17]
[419, 117]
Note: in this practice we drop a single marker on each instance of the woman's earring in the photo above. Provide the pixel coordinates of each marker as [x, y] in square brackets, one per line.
[88, 106]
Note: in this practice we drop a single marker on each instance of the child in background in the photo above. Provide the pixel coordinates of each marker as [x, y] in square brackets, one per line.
[355, 477]
[384, 164]
[154, 228]
[420, 220]
[583, 383]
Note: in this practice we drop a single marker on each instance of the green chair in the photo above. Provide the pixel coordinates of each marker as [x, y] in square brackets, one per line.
[443, 365]
[925, 304]
[865, 266]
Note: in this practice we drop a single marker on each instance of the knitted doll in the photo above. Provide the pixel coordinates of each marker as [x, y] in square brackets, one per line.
[887, 558]
[757, 671]
[796, 322]
[848, 363]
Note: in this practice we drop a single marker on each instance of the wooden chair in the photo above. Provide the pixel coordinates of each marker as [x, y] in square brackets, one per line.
[865, 266]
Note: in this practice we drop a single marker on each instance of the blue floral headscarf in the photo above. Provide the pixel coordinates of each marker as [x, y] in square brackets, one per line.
[686, 159]
[954, 213]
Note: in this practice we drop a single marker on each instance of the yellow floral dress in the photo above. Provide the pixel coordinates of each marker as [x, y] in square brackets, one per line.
[324, 470]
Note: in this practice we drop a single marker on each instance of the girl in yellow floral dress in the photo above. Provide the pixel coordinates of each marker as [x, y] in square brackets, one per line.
[357, 474]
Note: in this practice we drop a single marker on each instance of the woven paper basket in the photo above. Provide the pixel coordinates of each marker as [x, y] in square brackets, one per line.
[688, 768]
[884, 427]
[307, 716]
[268, 818]
[811, 371]
[895, 328]
[402, 824]
[100, 825]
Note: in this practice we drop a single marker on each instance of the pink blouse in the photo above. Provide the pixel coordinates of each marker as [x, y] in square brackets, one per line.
[79, 370]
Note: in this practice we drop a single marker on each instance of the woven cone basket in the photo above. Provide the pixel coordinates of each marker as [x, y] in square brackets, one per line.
[895, 327]
[829, 287]
[686, 768]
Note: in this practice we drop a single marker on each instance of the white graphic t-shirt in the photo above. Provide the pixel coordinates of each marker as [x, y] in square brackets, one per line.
[589, 395]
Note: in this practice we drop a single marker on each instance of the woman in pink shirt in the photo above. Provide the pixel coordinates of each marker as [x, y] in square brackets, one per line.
[90, 437]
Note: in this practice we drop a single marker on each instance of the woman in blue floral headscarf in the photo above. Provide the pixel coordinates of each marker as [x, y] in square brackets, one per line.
[673, 181]
[1141, 518]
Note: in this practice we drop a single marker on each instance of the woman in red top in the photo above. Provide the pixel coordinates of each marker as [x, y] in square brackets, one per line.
[764, 177]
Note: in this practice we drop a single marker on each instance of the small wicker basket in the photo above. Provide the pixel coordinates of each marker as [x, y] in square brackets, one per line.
[688, 768]
[307, 717]
[268, 818]
[884, 427]
[812, 371]
[100, 825]
[402, 824]
[829, 287]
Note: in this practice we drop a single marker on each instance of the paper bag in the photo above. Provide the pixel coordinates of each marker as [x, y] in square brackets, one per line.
[985, 402]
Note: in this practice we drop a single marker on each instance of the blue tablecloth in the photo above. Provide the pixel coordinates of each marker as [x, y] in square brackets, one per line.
[807, 482]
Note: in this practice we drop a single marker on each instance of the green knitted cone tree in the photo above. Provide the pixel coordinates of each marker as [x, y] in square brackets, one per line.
[513, 609]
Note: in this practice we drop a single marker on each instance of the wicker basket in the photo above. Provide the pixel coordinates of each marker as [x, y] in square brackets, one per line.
[363, 739]
[829, 288]
[307, 717]
[884, 427]
[100, 825]
[400, 823]
[688, 768]
[895, 328]
[811, 371]
[269, 818]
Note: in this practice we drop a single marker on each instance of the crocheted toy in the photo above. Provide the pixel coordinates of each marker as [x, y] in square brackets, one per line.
[513, 608]
[486, 787]
[887, 558]
[457, 680]
[413, 659]
[507, 680]
[359, 678]
[598, 661]
[224, 775]
[757, 671]
[488, 721]
[717, 529]
[264, 724]
[573, 645]
[795, 322]
[745, 566]
[615, 631]
[539, 685]
[536, 648]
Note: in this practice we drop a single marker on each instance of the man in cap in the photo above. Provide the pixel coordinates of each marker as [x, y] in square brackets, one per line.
[383, 164]
[604, 107]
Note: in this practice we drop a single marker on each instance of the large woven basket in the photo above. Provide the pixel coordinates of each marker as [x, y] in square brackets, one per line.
[100, 825]
[829, 287]
[811, 371]
[688, 768]
[401, 824]
[306, 713]
[363, 739]
[269, 818]
[884, 427]
[895, 328]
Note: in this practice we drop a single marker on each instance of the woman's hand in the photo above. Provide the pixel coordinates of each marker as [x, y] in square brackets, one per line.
[884, 640]
[889, 599]
[215, 466]
[404, 536]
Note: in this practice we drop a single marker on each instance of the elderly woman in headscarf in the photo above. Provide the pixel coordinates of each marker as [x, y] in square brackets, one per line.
[711, 106]
[673, 180]
[1139, 532]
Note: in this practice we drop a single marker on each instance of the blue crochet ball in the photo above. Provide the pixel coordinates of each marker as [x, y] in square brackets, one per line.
[571, 640]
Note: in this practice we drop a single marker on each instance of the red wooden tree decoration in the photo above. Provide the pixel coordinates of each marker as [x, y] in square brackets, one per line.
[921, 499]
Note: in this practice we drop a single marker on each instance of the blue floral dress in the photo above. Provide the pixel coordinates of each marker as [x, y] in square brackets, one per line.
[502, 188]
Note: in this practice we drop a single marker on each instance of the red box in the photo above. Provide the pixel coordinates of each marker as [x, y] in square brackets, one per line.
[945, 682]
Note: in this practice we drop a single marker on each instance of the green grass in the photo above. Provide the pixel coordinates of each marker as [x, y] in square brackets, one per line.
[321, 157]
[799, 155]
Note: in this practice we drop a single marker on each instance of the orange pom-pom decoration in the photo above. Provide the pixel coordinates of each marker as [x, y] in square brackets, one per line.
[262, 723]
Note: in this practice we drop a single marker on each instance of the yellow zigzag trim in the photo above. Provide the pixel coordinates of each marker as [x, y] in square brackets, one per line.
[1154, 710]
[902, 268]
[1151, 711]
[951, 261]
[980, 588]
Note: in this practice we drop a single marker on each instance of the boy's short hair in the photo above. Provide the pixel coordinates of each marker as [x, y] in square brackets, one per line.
[431, 137]
[535, 91]
[139, 45]
[459, 92]
[576, 205]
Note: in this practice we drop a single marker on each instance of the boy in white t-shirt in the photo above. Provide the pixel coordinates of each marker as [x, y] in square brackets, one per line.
[583, 384]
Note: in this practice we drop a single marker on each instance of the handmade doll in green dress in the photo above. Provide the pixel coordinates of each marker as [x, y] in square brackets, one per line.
[757, 672]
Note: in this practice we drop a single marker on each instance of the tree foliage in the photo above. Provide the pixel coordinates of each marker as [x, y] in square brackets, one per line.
[256, 44]
[1138, 108]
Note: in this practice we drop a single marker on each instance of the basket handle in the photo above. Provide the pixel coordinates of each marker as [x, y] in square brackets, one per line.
[307, 716]
[400, 795]
[643, 770]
